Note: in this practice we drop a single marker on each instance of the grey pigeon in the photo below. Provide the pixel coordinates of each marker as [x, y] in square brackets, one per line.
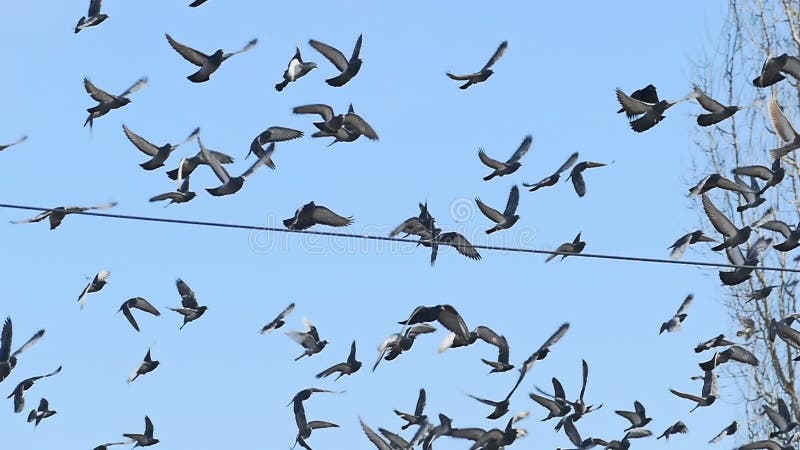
[270, 135]
[761, 294]
[348, 367]
[677, 427]
[674, 323]
[709, 393]
[105, 101]
[94, 17]
[770, 71]
[418, 418]
[158, 155]
[558, 406]
[485, 72]
[504, 220]
[309, 339]
[717, 341]
[148, 365]
[637, 418]
[330, 121]
[9, 360]
[792, 236]
[18, 141]
[311, 214]
[736, 257]
[577, 176]
[348, 68]
[541, 353]
[57, 214]
[748, 328]
[646, 94]
[766, 445]
[717, 111]
[397, 343]
[784, 129]
[553, 179]
[188, 165]
[19, 392]
[575, 437]
[751, 199]
[574, 247]
[190, 309]
[453, 239]
[231, 185]
[727, 431]
[732, 353]
[182, 195]
[97, 283]
[680, 246]
[278, 322]
[297, 69]
[649, 114]
[782, 419]
[373, 437]
[772, 176]
[716, 180]
[733, 236]
[447, 315]
[208, 64]
[508, 167]
[342, 127]
[146, 439]
[105, 446]
[41, 413]
[304, 427]
[140, 304]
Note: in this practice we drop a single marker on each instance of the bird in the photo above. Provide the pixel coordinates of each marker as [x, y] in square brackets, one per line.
[485, 72]
[558, 406]
[505, 220]
[182, 195]
[730, 430]
[733, 236]
[418, 418]
[277, 322]
[709, 393]
[208, 64]
[105, 446]
[148, 365]
[348, 367]
[19, 392]
[197, 3]
[41, 413]
[568, 248]
[502, 364]
[508, 167]
[447, 315]
[94, 17]
[297, 69]
[140, 304]
[57, 214]
[423, 225]
[782, 419]
[784, 129]
[649, 114]
[190, 309]
[18, 141]
[158, 155]
[717, 341]
[8, 360]
[765, 444]
[309, 339]
[575, 437]
[146, 439]
[487, 335]
[675, 322]
[553, 179]
[395, 440]
[542, 352]
[453, 239]
[772, 176]
[231, 185]
[646, 94]
[373, 437]
[342, 127]
[97, 283]
[500, 407]
[749, 328]
[716, 180]
[311, 214]
[637, 418]
[579, 406]
[680, 246]
[761, 294]
[770, 71]
[188, 165]
[348, 68]
[792, 236]
[330, 121]
[741, 274]
[105, 101]
[752, 199]
[677, 427]
[397, 343]
[625, 443]
[577, 175]
[304, 427]
[269, 136]
[717, 111]
[790, 66]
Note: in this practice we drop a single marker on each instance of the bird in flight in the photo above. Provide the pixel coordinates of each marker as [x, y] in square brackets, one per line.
[485, 72]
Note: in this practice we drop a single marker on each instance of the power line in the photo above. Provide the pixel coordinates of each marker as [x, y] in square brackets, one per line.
[401, 239]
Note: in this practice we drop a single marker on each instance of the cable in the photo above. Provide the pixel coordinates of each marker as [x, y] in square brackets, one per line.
[400, 239]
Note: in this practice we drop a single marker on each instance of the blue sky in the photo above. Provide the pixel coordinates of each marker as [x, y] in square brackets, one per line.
[222, 384]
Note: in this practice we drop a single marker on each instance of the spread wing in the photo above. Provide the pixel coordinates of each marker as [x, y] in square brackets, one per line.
[139, 142]
[513, 201]
[493, 163]
[94, 7]
[188, 299]
[489, 212]
[685, 305]
[193, 56]
[568, 163]
[708, 103]
[779, 226]
[97, 93]
[5, 340]
[420, 403]
[140, 83]
[782, 125]
[717, 219]
[361, 125]
[325, 216]
[497, 55]
[323, 110]
[460, 243]
[521, 150]
[331, 54]
[219, 171]
[148, 427]
[632, 106]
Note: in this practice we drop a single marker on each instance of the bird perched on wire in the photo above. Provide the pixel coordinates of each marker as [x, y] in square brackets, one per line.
[485, 72]
[574, 247]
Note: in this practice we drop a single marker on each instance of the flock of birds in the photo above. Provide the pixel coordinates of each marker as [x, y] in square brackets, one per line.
[644, 110]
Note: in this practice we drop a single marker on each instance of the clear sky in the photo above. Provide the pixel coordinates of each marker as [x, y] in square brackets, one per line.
[223, 385]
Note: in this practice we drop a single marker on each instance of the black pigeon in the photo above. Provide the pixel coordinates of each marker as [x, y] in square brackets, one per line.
[297, 69]
[41, 413]
[752, 199]
[309, 339]
[444, 314]
[553, 179]
[500, 407]
[730, 430]
[208, 64]
[732, 353]
[708, 395]
[270, 135]
[24, 385]
[18, 141]
[310, 214]
[770, 71]
[674, 323]
[510, 166]
[542, 352]
[94, 17]
[423, 225]
[680, 246]
[741, 274]
[717, 341]
[97, 283]
[485, 72]
[574, 247]
[9, 360]
[579, 406]
[717, 111]
[278, 322]
[348, 68]
[418, 418]
[558, 406]
[304, 427]
[577, 176]
[158, 155]
[646, 94]
[637, 418]
[575, 437]
[148, 365]
[348, 367]
[105, 101]
[57, 215]
[649, 114]
[190, 309]
[140, 304]
[716, 180]
[677, 427]
[146, 439]
[105, 446]
[231, 185]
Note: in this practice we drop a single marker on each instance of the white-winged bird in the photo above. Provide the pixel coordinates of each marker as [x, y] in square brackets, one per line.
[97, 283]
[309, 339]
[727, 431]
[94, 17]
[277, 322]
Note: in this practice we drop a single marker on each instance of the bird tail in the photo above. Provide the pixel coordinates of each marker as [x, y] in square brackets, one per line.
[280, 86]
[488, 177]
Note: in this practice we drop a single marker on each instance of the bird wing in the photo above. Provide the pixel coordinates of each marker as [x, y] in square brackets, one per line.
[779, 226]
[5, 340]
[222, 158]
[97, 93]
[140, 83]
[578, 182]
[193, 56]
[792, 67]
[264, 158]
[357, 48]
[632, 106]
[754, 171]
[572, 432]
[325, 216]
[497, 55]
[489, 212]
[708, 103]
[247, 47]
[316, 424]
[686, 396]
[142, 304]
[784, 410]
[361, 125]
[775, 417]
[36, 218]
[373, 437]
[461, 77]
[288, 310]
[94, 7]
[299, 415]
[483, 400]
[709, 382]
[331, 54]
[781, 124]
[278, 134]
[323, 110]
[521, 150]
[420, 403]
[720, 222]
[452, 320]
[573, 158]
[188, 299]
[219, 171]
[767, 444]
[351, 358]
[632, 417]
[148, 427]
[585, 379]
[126, 311]
[685, 305]
[513, 201]
[493, 163]
[460, 243]
[551, 405]
[139, 142]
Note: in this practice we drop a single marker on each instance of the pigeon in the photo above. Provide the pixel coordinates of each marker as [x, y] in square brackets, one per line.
[423, 225]
[41, 413]
[105, 101]
[342, 127]
[558, 406]
[330, 121]
[709, 393]
[485, 72]
[508, 167]
[349, 367]
[348, 68]
[782, 419]
[733, 236]
[677, 427]
[680, 246]
[749, 328]
[575, 437]
[147, 366]
[94, 17]
[650, 113]
[197, 3]
[309, 340]
[717, 341]
[271, 135]
[18, 141]
[505, 220]
[637, 418]
[761, 294]
[791, 66]
[579, 406]
[625, 443]
[57, 214]
[553, 179]
[444, 314]
[278, 322]
[310, 214]
[24, 385]
[574, 247]
[784, 129]
[541, 353]
[190, 310]
[792, 236]
[182, 195]
[105, 446]
[208, 64]
[772, 176]
[138, 303]
[675, 322]
[752, 199]
[767, 445]
[742, 274]
[397, 343]
[770, 71]
[304, 428]
[500, 407]
[453, 239]
[487, 335]
[646, 94]
[418, 418]
[159, 154]
[146, 439]
[9, 360]
[396, 441]
[577, 175]
[491, 439]
[188, 165]
[373, 437]
[231, 185]
[717, 111]
[296, 70]
[727, 431]
[95, 285]
[716, 180]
